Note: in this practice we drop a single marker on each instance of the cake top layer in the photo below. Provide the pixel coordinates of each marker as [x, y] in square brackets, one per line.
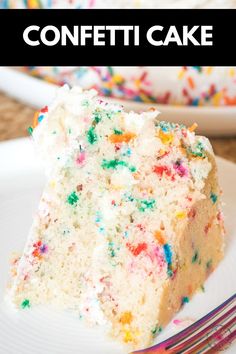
[82, 121]
[133, 164]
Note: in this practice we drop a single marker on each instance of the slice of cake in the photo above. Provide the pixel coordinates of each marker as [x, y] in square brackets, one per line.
[129, 224]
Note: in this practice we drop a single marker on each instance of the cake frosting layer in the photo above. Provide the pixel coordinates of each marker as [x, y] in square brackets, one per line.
[129, 225]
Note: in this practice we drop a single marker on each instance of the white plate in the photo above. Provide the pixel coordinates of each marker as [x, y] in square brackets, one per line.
[35, 92]
[42, 331]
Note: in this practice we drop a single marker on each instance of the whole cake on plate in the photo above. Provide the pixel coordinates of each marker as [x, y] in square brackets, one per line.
[129, 225]
[190, 86]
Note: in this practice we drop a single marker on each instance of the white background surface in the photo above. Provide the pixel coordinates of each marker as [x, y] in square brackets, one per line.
[41, 331]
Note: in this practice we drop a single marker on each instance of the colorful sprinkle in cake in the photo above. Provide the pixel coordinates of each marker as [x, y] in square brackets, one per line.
[129, 225]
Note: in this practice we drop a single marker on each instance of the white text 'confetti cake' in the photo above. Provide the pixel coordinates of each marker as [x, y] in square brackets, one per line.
[129, 225]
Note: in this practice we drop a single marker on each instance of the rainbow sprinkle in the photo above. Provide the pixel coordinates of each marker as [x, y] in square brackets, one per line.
[92, 136]
[25, 304]
[113, 164]
[72, 198]
[185, 300]
[213, 197]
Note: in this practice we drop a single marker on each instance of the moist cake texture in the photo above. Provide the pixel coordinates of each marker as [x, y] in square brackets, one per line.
[129, 225]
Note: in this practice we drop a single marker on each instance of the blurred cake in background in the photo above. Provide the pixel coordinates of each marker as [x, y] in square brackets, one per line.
[188, 86]
[115, 4]
[194, 86]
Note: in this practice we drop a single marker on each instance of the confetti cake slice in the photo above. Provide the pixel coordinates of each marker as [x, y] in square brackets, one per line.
[129, 224]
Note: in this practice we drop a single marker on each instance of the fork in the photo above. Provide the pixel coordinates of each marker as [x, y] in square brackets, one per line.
[211, 334]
